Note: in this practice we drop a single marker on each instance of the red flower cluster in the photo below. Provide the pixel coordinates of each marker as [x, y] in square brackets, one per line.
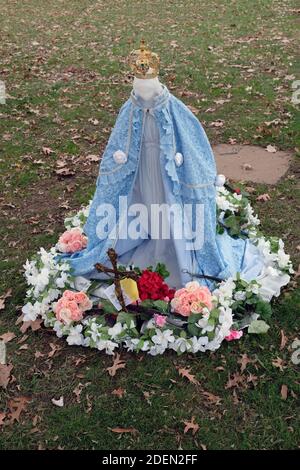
[152, 286]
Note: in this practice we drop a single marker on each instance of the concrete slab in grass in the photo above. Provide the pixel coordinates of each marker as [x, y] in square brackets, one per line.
[251, 163]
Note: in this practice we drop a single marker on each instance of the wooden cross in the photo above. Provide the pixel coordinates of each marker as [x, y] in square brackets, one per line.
[117, 275]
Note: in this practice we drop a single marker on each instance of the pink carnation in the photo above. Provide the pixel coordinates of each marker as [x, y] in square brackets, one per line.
[160, 320]
[234, 334]
[192, 298]
[71, 305]
[71, 241]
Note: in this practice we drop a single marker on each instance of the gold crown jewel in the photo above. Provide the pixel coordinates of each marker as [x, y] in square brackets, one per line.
[143, 62]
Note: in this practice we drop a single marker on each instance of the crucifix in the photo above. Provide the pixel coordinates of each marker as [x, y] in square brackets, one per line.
[116, 275]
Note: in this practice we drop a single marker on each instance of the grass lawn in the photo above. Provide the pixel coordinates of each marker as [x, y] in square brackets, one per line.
[64, 66]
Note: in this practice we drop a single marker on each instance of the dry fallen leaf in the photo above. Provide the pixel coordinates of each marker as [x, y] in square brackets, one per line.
[6, 337]
[3, 298]
[47, 150]
[284, 392]
[186, 373]
[244, 361]
[124, 430]
[283, 340]
[54, 349]
[237, 380]
[217, 123]
[92, 158]
[119, 392]
[278, 362]
[34, 325]
[263, 197]
[117, 364]
[2, 418]
[77, 391]
[16, 406]
[5, 371]
[191, 425]
[214, 399]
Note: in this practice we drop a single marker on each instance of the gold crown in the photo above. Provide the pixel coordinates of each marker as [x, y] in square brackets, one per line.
[143, 62]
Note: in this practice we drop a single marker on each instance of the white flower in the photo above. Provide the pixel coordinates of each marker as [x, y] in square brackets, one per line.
[131, 344]
[199, 344]
[58, 327]
[181, 345]
[31, 311]
[115, 330]
[62, 280]
[224, 205]
[75, 336]
[120, 157]
[239, 295]
[162, 338]
[204, 325]
[225, 321]
[178, 159]
[157, 349]
[108, 345]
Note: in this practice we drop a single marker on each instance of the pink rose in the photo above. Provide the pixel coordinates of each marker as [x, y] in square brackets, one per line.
[69, 312]
[69, 295]
[160, 320]
[71, 241]
[234, 334]
[193, 298]
[71, 305]
[83, 301]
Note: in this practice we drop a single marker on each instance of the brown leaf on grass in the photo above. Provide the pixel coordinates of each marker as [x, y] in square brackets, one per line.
[38, 354]
[65, 172]
[124, 430]
[237, 380]
[193, 109]
[283, 340]
[16, 406]
[217, 123]
[3, 298]
[77, 391]
[6, 337]
[34, 325]
[117, 364]
[186, 373]
[54, 349]
[5, 371]
[92, 158]
[23, 347]
[191, 425]
[263, 197]
[244, 360]
[214, 399]
[47, 150]
[297, 273]
[118, 392]
[252, 379]
[2, 418]
[279, 363]
[89, 403]
[284, 392]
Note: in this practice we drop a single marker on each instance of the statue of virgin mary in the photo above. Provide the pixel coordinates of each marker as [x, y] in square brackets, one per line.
[155, 198]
